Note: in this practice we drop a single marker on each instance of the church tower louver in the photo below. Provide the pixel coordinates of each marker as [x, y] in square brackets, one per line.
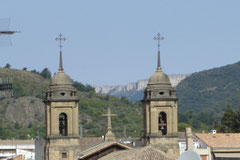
[160, 111]
[61, 115]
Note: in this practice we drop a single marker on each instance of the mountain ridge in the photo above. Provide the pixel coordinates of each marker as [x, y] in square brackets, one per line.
[134, 90]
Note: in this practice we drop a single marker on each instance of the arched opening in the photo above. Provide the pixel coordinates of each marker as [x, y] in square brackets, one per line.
[162, 123]
[63, 124]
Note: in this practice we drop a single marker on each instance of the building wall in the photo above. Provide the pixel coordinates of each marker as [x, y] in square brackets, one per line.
[203, 150]
[39, 144]
[58, 146]
[53, 111]
[167, 143]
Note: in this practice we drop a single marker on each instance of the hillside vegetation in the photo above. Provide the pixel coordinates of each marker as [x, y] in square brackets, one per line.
[26, 83]
[203, 96]
[211, 89]
[22, 116]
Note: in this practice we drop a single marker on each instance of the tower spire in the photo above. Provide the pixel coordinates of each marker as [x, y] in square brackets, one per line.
[158, 38]
[60, 39]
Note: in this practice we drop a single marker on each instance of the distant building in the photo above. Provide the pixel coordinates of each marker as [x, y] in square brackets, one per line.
[13, 149]
[191, 142]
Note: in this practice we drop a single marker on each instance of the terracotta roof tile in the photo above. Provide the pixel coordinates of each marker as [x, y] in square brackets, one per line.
[101, 146]
[145, 153]
[86, 143]
[220, 140]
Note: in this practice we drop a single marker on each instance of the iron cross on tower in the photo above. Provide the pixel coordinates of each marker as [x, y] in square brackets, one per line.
[60, 39]
[158, 38]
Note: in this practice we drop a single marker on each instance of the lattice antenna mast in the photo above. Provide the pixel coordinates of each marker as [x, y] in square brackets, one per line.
[158, 38]
[61, 39]
[5, 32]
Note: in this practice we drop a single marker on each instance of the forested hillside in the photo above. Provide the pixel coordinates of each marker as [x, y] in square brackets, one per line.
[203, 96]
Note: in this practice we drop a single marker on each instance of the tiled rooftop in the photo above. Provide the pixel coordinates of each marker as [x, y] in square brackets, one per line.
[86, 143]
[145, 153]
[220, 140]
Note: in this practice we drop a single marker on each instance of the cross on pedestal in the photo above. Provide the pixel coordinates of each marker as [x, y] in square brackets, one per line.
[109, 115]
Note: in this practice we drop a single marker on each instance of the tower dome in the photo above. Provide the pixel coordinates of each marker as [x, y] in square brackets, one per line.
[159, 78]
[61, 78]
[61, 85]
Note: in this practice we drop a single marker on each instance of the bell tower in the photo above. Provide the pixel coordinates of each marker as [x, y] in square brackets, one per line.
[61, 115]
[160, 111]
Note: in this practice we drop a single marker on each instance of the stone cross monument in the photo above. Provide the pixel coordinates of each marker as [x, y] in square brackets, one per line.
[109, 135]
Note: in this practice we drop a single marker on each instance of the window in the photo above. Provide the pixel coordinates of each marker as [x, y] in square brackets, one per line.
[64, 155]
[161, 93]
[63, 124]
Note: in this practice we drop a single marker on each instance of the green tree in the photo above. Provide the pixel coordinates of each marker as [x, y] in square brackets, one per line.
[46, 73]
[124, 100]
[16, 126]
[81, 87]
[216, 124]
[227, 122]
[236, 126]
[107, 97]
[34, 71]
[182, 126]
[25, 68]
[7, 65]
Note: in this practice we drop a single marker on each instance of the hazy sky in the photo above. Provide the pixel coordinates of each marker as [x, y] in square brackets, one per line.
[111, 42]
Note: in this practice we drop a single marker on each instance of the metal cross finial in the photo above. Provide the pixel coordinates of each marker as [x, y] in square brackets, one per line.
[60, 39]
[158, 38]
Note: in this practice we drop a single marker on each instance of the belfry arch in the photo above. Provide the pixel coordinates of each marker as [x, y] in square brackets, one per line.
[63, 124]
[162, 123]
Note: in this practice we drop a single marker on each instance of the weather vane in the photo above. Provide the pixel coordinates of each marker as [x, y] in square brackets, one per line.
[158, 38]
[60, 39]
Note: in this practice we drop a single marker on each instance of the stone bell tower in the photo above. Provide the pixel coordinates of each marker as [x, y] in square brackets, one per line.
[160, 110]
[61, 114]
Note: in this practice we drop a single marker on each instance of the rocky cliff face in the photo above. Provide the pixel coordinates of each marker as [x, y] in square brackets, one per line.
[23, 110]
[134, 90]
